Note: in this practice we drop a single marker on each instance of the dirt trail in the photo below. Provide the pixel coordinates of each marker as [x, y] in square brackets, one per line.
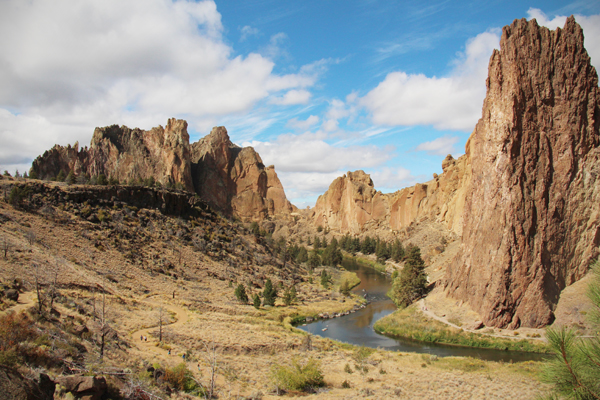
[150, 345]
[26, 300]
[444, 320]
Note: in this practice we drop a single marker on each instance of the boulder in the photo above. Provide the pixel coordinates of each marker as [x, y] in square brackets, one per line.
[12, 294]
[83, 387]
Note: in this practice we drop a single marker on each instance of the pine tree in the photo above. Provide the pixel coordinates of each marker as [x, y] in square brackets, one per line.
[32, 173]
[70, 178]
[256, 301]
[269, 294]
[317, 243]
[314, 260]
[240, 293]
[411, 283]
[302, 255]
[575, 368]
[289, 296]
[325, 279]
[61, 176]
[397, 251]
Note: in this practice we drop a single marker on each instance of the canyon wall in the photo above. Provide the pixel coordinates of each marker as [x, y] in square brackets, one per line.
[525, 197]
[229, 178]
[531, 220]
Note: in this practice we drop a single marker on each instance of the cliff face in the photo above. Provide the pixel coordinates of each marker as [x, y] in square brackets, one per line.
[531, 222]
[236, 177]
[228, 177]
[126, 154]
[525, 196]
[351, 204]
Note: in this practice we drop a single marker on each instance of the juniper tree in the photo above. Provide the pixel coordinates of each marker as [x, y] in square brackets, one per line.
[269, 294]
[256, 301]
[411, 283]
[240, 293]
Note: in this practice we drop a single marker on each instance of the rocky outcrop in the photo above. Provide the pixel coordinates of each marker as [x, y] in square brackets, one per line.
[82, 387]
[230, 178]
[127, 155]
[15, 386]
[525, 195]
[226, 174]
[531, 218]
[352, 205]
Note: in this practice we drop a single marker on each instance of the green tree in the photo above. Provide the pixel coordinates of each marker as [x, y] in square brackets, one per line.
[269, 294]
[101, 180]
[61, 176]
[290, 295]
[302, 255]
[240, 293]
[70, 178]
[411, 283]
[325, 278]
[256, 301]
[32, 173]
[317, 243]
[314, 260]
[397, 251]
[382, 251]
[575, 368]
[332, 255]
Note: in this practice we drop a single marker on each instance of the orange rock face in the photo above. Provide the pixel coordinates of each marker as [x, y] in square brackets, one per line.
[228, 177]
[226, 174]
[531, 221]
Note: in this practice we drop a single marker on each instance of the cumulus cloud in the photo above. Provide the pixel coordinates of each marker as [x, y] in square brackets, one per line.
[68, 66]
[440, 146]
[392, 178]
[292, 97]
[303, 125]
[590, 25]
[450, 102]
[309, 152]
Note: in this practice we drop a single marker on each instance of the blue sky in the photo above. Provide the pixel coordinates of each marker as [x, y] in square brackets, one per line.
[317, 87]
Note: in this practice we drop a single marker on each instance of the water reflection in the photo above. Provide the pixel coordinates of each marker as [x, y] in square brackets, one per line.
[357, 328]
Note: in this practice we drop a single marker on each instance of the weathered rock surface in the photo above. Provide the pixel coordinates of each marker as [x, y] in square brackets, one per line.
[351, 204]
[14, 386]
[126, 154]
[228, 177]
[531, 218]
[83, 387]
[226, 174]
[525, 195]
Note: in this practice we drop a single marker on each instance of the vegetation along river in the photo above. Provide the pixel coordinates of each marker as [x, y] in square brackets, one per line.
[357, 328]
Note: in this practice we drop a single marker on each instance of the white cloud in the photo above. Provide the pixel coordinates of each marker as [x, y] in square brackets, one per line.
[309, 152]
[392, 178]
[303, 125]
[247, 31]
[441, 146]
[292, 97]
[451, 102]
[589, 24]
[69, 66]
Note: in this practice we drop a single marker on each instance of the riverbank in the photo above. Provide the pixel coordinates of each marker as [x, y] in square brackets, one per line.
[410, 323]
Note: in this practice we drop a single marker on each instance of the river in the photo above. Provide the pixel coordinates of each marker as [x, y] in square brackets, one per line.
[357, 328]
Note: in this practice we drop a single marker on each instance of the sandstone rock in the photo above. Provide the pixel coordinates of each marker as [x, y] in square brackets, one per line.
[235, 179]
[12, 294]
[83, 387]
[531, 219]
[474, 326]
[14, 386]
[228, 177]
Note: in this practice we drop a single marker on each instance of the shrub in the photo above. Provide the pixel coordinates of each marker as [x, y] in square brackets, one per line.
[269, 294]
[181, 378]
[297, 376]
[240, 293]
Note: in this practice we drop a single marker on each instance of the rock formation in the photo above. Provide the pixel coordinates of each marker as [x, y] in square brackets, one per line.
[531, 220]
[351, 204]
[525, 195]
[226, 174]
[230, 178]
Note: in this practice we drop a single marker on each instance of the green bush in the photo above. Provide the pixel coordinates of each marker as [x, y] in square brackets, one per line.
[181, 378]
[297, 376]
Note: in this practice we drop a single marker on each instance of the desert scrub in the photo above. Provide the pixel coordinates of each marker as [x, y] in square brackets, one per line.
[409, 323]
[298, 377]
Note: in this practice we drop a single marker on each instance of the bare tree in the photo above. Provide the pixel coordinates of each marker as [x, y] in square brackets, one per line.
[54, 284]
[6, 247]
[160, 324]
[38, 288]
[30, 236]
[211, 356]
[103, 326]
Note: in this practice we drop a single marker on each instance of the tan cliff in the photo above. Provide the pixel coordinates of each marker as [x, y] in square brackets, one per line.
[352, 205]
[229, 178]
[525, 197]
